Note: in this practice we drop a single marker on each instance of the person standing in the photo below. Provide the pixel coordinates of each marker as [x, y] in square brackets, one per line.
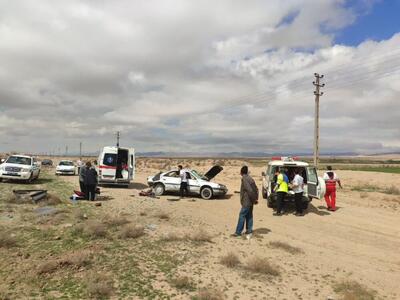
[297, 187]
[331, 179]
[82, 175]
[90, 182]
[248, 198]
[184, 182]
[281, 189]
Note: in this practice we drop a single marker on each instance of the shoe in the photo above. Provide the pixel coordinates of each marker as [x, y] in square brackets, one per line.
[298, 214]
[247, 232]
[277, 214]
[235, 235]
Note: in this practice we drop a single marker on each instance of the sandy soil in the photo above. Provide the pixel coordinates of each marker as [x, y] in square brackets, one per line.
[360, 241]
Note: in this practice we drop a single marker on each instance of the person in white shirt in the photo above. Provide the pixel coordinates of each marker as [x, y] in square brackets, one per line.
[184, 182]
[297, 187]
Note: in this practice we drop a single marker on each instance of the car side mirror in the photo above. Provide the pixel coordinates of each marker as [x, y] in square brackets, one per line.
[263, 174]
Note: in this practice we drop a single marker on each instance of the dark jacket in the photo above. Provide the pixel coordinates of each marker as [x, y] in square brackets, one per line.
[248, 191]
[90, 176]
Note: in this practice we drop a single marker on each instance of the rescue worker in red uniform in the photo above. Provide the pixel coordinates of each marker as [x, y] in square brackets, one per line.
[331, 179]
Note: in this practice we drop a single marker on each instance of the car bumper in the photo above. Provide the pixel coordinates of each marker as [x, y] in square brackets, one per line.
[220, 192]
[65, 172]
[16, 175]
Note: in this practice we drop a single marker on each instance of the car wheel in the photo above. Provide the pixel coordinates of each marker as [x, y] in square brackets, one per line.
[159, 189]
[30, 178]
[206, 193]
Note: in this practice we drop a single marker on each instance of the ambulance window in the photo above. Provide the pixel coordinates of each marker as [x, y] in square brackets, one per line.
[312, 175]
[110, 159]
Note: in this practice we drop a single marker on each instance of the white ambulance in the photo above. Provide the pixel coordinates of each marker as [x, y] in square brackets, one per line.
[116, 166]
[314, 186]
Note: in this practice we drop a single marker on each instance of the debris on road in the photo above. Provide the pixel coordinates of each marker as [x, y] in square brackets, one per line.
[34, 196]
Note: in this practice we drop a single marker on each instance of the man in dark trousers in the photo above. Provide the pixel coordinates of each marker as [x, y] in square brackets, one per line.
[90, 182]
[184, 181]
[248, 197]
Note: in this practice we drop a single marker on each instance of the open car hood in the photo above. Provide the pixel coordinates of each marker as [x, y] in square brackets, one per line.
[214, 171]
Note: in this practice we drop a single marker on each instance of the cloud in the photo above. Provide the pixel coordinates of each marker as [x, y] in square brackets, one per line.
[181, 75]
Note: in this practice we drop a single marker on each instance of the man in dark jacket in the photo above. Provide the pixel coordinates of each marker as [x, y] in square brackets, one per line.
[90, 182]
[82, 174]
[248, 197]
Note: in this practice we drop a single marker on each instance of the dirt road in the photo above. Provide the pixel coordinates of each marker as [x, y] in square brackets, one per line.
[359, 242]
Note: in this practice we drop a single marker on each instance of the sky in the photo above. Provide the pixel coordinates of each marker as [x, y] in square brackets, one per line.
[199, 76]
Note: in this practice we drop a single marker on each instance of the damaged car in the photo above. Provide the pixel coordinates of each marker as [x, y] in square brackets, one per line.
[198, 184]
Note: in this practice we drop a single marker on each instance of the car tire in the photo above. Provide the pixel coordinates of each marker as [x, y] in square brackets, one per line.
[159, 189]
[206, 193]
[30, 178]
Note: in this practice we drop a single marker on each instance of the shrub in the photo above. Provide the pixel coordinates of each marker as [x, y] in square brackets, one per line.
[96, 230]
[286, 247]
[200, 236]
[231, 260]
[261, 266]
[352, 290]
[99, 286]
[182, 283]
[6, 240]
[209, 294]
[132, 232]
[116, 221]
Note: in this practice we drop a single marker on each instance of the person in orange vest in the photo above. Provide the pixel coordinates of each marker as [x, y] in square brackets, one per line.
[331, 179]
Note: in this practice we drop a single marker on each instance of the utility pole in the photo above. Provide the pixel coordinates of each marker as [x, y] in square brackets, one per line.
[80, 150]
[66, 150]
[317, 94]
[118, 135]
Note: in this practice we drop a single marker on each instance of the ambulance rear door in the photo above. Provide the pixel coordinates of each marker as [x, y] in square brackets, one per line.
[132, 163]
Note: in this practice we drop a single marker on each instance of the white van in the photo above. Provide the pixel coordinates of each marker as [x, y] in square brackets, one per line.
[314, 186]
[116, 165]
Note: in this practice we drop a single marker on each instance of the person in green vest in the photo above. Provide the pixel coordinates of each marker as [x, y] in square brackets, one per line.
[281, 189]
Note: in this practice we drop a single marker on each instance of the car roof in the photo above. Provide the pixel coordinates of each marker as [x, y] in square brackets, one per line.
[18, 155]
[288, 163]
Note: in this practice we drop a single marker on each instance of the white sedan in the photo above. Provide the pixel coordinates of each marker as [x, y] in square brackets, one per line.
[66, 167]
[198, 184]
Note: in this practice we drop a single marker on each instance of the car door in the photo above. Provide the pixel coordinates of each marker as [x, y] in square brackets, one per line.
[171, 181]
[194, 183]
[315, 185]
[131, 164]
[35, 168]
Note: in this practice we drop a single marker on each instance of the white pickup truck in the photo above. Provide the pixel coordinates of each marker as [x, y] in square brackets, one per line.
[20, 167]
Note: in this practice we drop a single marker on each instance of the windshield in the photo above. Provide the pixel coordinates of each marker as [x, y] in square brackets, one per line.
[198, 175]
[66, 163]
[110, 159]
[19, 160]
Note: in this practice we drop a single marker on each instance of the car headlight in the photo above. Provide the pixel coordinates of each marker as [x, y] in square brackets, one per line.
[2, 168]
[25, 170]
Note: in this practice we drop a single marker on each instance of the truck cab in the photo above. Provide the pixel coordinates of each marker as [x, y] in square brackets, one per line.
[116, 166]
[314, 186]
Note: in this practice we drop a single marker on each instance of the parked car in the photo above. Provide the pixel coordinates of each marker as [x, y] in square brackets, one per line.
[198, 184]
[116, 166]
[66, 167]
[20, 167]
[47, 162]
[314, 186]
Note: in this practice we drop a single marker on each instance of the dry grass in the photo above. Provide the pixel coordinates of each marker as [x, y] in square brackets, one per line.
[286, 247]
[182, 283]
[261, 266]
[392, 190]
[210, 294]
[171, 237]
[99, 286]
[132, 232]
[96, 229]
[363, 195]
[200, 236]
[79, 215]
[115, 221]
[6, 240]
[74, 260]
[231, 260]
[163, 216]
[352, 290]
[51, 199]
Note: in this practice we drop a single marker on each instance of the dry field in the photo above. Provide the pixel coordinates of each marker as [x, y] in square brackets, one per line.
[134, 247]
